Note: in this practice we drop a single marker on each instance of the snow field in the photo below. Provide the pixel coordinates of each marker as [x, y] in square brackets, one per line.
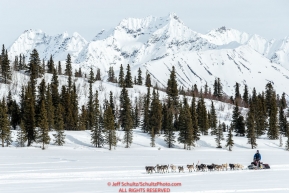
[79, 167]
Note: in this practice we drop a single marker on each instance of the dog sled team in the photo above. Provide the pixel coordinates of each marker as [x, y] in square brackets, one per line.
[256, 164]
[197, 168]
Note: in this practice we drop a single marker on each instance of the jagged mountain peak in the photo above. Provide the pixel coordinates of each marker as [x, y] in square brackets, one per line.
[224, 35]
[161, 41]
[57, 45]
[150, 23]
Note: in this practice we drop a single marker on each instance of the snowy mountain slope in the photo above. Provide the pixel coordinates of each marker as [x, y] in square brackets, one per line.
[157, 43]
[243, 65]
[281, 53]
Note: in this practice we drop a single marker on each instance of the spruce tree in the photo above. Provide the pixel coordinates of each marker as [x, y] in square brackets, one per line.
[68, 117]
[51, 65]
[125, 118]
[269, 94]
[241, 126]
[155, 117]
[111, 76]
[215, 86]
[164, 118]
[273, 132]
[206, 93]
[68, 71]
[121, 81]
[194, 115]
[33, 70]
[29, 116]
[43, 135]
[136, 116]
[15, 115]
[54, 89]
[112, 106]
[235, 117]
[128, 134]
[40, 98]
[134, 81]
[109, 126]
[219, 89]
[202, 116]
[96, 130]
[21, 135]
[59, 136]
[16, 64]
[4, 122]
[98, 74]
[213, 119]
[128, 78]
[139, 77]
[251, 133]
[237, 92]
[155, 114]
[9, 102]
[152, 137]
[172, 88]
[182, 127]
[20, 67]
[90, 105]
[282, 121]
[246, 96]
[22, 63]
[5, 66]
[195, 90]
[219, 135]
[59, 69]
[146, 107]
[49, 108]
[260, 116]
[230, 141]
[74, 104]
[43, 66]
[82, 123]
[148, 82]
[283, 102]
[169, 129]
[185, 126]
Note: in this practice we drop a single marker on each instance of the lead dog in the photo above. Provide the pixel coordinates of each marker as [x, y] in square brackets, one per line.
[150, 169]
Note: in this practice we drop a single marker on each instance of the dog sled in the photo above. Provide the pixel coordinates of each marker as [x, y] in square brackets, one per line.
[262, 166]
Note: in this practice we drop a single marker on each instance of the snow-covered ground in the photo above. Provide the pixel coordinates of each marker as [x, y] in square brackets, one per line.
[79, 167]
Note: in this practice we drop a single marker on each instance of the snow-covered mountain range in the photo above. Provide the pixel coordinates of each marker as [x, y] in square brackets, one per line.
[155, 44]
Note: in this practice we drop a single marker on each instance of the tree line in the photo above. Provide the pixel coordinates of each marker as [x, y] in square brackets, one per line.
[43, 108]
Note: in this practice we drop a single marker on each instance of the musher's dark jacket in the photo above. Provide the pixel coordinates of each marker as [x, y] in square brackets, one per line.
[257, 156]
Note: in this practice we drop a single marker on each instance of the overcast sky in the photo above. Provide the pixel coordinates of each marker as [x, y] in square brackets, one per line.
[266, 18]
